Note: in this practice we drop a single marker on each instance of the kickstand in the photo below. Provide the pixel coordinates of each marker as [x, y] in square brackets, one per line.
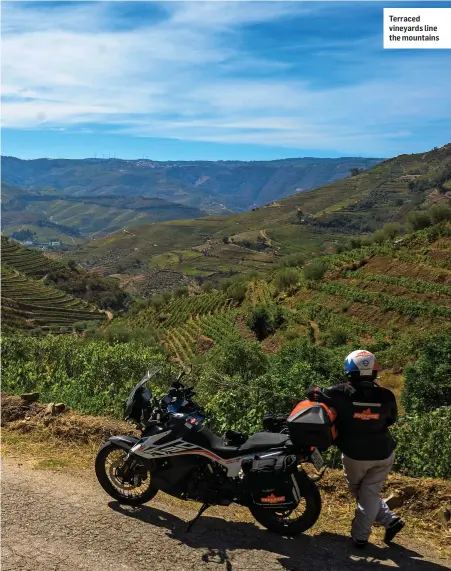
[193, 521]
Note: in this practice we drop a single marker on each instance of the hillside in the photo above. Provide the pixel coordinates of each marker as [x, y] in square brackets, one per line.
[221, 186]
[309, 223]
[383, 296]
[70, 219]
[42, 294]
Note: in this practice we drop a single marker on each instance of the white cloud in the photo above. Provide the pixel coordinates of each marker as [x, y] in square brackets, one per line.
[188, 76]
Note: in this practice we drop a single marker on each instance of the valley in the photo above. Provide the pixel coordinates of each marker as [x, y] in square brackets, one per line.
[310, 223]
[261, 305]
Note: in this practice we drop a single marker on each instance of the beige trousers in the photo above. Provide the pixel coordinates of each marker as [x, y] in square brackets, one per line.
[365, 479]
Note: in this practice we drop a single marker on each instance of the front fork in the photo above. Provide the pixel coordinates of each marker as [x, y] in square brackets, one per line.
[131, 471]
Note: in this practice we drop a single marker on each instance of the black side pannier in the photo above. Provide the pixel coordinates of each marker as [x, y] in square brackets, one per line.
[271, 481]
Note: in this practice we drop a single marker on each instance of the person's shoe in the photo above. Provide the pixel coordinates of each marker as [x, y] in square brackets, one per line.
[393, 529]
[359, 543]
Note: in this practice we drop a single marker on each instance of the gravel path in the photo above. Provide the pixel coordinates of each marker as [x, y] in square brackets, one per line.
[58, 522]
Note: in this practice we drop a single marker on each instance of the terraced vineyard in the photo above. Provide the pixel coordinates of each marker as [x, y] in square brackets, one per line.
[180, 323]
[183, 341]
[28, 304]
[383, 292]
[27, 261]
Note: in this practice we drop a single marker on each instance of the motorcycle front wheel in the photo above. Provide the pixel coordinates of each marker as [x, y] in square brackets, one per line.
[296, 521]
[127, 483]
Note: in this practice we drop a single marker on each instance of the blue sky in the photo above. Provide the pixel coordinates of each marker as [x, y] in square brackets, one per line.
[216, 80]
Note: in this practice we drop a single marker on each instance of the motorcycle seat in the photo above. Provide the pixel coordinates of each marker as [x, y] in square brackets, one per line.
[216, 444]
[263, 441]
[256, 443]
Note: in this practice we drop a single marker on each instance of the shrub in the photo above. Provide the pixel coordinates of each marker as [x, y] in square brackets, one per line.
[239, 357]
[167, 296]
[180, 291]
[90, 376]
[378, 237]
[314, 271]
[355, 243]
[428, 381]
[440, 213]
[391, 230]
[292, 260]
[117, 333]
[336, 338]
[157, 302]
[286, 279]
[424, 444]
[265, 318]
[207, 287]
[418, 220]
[237, 291]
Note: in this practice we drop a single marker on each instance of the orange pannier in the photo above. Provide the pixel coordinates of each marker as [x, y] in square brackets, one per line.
[312, 424]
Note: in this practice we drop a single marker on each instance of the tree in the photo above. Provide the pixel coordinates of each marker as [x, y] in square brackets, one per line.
[440, 213]
[428, 381]
[314, 271]
[418, 220]
[265, 318]
[181, 291]
[354, 171]
[207, 287]
[286, 279]
[237, 291]
[391, 230]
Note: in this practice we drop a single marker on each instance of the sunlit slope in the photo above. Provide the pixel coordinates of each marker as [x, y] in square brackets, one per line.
[388, 296]
[309, 222]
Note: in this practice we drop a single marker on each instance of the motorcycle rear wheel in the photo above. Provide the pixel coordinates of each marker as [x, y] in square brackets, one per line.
[108, 463]
[292, 522]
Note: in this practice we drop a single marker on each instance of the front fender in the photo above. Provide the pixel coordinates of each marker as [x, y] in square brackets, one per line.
[126, 442]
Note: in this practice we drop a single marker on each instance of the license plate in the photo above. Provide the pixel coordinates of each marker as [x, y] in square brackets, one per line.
[317, 459]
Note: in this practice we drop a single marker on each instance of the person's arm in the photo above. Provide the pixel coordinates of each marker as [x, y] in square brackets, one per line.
[393, 411]
[319, 394]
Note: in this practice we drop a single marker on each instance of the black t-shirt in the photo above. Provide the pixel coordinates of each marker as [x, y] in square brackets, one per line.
[365, 411]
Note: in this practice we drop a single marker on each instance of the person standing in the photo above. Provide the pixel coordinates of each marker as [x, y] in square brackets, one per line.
[365, 411]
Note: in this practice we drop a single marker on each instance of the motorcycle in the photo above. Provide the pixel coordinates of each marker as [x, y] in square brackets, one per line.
[180, 456]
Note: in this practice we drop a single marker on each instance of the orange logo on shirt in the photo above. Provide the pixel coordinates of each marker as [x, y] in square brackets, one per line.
[367, 415]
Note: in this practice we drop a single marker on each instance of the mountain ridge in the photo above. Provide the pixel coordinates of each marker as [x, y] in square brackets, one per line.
[311, 222]
[213, 186]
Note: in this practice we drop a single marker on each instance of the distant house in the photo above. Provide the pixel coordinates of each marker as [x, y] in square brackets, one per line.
[28, 243]
[55, 243]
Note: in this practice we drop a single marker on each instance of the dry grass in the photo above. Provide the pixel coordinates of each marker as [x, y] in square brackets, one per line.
[69, 442]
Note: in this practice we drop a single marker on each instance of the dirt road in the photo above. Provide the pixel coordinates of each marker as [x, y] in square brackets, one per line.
[53, 521]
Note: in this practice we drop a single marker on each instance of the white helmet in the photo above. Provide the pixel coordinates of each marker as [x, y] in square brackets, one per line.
[361, 364]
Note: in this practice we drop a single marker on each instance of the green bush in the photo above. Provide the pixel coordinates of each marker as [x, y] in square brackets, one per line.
[418, 220]
[237, 291]
[292, 260]
[90, 376]
[265, 318]
[286, 279]
[391, 230]
[181, 291]
[241, 383]
[440, 213]
[428, 381]
[314, 271]
[157, 302]
[207, 287]
[336, 337]
[424, 444]
[167, 296]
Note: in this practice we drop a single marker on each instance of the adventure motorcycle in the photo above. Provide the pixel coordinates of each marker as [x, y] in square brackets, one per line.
[179, 455]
